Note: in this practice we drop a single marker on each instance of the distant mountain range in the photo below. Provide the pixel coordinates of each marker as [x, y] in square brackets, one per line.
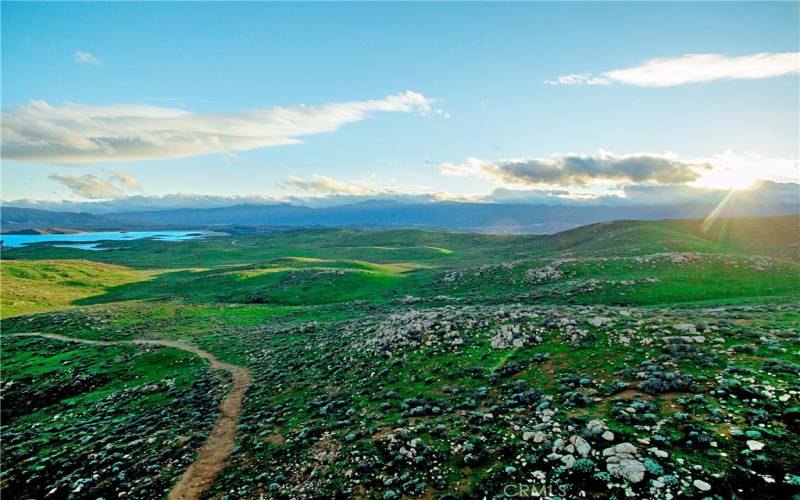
[481, 217]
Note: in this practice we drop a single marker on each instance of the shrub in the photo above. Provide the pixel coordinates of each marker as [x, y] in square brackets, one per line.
[653, 467]
[584, 466]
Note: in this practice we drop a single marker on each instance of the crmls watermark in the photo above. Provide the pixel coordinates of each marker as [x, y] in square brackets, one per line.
[533, 491]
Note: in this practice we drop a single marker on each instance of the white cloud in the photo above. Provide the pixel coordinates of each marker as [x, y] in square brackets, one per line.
[320, 184]
[692, 68]
[86, 58]
[579, 79]
[538, 196]
[726, 170]
[79, 134]
[470, 167]
[581, 170]
[320, 190]
[766, 194]
[741, 170]
[125, 180]
[118, 185]
[89, 186]
[138, 203]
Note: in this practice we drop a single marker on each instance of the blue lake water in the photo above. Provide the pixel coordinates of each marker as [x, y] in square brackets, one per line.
[81, 246]
[81, 240]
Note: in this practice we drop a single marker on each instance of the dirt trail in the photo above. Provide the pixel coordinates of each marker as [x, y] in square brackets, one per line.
[212, 455]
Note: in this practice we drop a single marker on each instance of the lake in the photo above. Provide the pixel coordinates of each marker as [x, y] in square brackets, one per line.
[82, 240]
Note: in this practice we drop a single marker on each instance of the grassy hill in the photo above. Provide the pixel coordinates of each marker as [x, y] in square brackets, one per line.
[628, 359]
[776, 236]
[41, 285]
[289, 280]
[731, 259]
[773, 236]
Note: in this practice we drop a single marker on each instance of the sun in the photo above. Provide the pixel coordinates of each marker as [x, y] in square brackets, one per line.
[732, 179]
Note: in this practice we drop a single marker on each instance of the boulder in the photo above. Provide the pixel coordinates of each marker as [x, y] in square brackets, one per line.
[628, 469]
[568, 460]
[582, 448]
[755, 445]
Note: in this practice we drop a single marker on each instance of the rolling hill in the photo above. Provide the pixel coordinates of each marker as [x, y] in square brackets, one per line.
[625, 359]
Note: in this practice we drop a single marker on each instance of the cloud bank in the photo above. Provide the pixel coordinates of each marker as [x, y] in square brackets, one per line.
[136, 203]
[581, 170]
[692, 68]
[766, 194]
[79, 134]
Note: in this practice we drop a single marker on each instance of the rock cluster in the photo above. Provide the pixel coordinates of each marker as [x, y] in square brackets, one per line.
[621, 461]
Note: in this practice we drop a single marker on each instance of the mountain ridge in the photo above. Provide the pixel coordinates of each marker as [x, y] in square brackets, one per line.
[477, 217]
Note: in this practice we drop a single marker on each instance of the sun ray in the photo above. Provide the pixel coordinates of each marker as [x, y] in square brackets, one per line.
[714, 215]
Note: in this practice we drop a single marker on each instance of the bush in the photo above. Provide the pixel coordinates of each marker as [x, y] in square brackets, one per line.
[584, 466]
[662, 382]
[781, 366]
[653, 467]
[615, 387]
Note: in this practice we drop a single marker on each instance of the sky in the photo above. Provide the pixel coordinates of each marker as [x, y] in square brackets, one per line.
[208, 102]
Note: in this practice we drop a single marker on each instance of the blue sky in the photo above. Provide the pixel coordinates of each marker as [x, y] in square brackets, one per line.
[481, 68]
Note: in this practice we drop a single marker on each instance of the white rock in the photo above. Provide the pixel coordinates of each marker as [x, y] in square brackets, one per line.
[755, 445]
[701, 485]
[595, 426]
[629, 469]
[581, 446]
[599, 321]
[625, 448]
[658, 453]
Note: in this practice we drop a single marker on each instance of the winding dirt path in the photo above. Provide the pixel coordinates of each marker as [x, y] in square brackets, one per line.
[212, 455]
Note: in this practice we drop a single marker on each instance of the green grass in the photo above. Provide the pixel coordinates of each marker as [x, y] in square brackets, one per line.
[68, 409]
[36, 285]
[297, 307]
[712, 278]
[286, 281]
[325, 266]
[121, 366]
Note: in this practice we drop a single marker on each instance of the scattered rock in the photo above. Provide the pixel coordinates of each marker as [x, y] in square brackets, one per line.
[701, 485]
[755, 445]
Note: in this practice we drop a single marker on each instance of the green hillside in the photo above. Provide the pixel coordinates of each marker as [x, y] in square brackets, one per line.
[622, 360]
[40, 285]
